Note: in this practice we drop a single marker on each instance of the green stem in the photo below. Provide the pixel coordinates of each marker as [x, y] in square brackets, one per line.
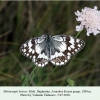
[32, 73]
[49, 75]
[78, 34]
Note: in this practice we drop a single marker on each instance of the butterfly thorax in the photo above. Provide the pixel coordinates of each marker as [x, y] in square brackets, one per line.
[48, 45]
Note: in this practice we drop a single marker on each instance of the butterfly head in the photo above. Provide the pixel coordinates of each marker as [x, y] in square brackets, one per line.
[47, 35]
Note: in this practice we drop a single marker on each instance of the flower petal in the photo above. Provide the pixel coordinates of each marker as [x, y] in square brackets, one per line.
[90, 19]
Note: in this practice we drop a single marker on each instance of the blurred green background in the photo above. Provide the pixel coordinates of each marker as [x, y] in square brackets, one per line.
[21, 20]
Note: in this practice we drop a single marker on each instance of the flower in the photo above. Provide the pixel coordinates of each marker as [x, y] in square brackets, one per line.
[90, 19]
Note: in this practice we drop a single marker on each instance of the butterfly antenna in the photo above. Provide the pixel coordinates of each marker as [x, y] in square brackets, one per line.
[54, 27]
[43, 29]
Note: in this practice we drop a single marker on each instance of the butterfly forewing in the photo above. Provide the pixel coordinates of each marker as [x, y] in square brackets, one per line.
[33, 49]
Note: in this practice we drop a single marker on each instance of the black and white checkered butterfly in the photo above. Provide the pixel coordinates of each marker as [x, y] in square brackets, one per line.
[57, 49]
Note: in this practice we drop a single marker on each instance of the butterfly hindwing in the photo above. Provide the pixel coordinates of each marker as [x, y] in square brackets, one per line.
[59, 59]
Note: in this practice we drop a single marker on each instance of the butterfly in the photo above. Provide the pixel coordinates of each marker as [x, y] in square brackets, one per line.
[57, 49]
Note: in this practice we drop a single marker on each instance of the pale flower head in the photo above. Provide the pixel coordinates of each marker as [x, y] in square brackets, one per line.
[90, 19]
